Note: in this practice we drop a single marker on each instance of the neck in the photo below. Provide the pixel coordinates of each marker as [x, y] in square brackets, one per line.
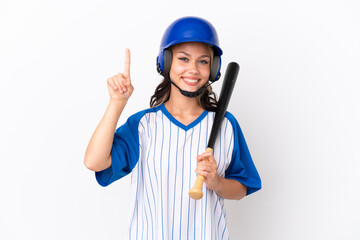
[179, 104]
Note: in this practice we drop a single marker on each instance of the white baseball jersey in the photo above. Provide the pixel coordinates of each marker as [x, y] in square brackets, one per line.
[160, 152]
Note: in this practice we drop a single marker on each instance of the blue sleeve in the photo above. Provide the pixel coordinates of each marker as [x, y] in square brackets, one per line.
[124, 152]
[242, 167]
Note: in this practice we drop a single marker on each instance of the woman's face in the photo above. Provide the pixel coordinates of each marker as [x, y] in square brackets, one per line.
[190, 67]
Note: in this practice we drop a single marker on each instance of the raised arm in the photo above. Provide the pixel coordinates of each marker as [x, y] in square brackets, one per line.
[97, 155]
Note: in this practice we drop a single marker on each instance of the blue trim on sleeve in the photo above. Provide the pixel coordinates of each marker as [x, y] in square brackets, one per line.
[124, 151]
[242, 167]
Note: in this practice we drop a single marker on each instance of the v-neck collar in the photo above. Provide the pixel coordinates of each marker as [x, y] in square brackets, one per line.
[179, 124]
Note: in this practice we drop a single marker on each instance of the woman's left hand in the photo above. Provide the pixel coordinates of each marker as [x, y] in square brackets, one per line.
[208, 168]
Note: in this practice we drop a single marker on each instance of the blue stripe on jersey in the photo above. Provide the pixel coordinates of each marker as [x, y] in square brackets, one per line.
[143, 205]
[205, 217]
[204, 224]
[147, 224]
[142, 126]
[217, 200]
[148, 202]
[190, 160]
[137, 206]
[145, 182]
[162, 144]
[182, 183]
[168, 194]
[151, 185]
[152, 217]
[154, 160]
[222, 154]
[222, 235]
[198, 153]
[177, 146]
[136, 199]
[229, 145]
[219, 160]
[147, 122]
[221, 215]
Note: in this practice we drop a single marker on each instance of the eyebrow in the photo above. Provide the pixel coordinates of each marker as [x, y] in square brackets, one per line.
[187, 54]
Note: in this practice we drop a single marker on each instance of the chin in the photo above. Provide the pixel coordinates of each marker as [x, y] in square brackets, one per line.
[190, 89]
[193, 88]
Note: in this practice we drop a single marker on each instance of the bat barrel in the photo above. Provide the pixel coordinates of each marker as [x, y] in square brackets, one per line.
[227, 88]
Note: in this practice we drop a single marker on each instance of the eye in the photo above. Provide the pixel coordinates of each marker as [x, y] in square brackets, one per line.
[184, 59]
[204, 62]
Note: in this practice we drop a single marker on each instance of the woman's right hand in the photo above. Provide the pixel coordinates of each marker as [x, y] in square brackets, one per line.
[119, 86]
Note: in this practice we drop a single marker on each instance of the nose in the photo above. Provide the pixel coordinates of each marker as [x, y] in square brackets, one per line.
[193, 68]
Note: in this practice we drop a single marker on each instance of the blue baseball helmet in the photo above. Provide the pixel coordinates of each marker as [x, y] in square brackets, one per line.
[189, 29]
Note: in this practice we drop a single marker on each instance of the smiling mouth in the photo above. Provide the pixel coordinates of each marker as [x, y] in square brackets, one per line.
[191, 81]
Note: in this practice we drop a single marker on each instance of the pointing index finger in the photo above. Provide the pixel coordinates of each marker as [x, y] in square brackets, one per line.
[127, 63]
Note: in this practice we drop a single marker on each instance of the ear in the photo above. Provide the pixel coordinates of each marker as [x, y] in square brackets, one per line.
[167, 62]
[215, 69]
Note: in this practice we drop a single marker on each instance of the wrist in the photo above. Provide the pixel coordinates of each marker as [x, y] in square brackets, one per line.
[113, 101]
[115, 108]
[218, 186]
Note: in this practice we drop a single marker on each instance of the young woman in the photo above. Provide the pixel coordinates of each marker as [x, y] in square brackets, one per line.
[163, 147]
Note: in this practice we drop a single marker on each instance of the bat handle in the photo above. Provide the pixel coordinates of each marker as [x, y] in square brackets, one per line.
[196, 192]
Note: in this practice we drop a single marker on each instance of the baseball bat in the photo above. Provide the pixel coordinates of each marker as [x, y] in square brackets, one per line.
[227, 88]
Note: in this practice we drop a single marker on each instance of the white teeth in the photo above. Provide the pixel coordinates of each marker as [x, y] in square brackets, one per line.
[190, 80]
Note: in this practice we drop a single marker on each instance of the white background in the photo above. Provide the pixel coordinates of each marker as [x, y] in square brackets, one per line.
[297, 101]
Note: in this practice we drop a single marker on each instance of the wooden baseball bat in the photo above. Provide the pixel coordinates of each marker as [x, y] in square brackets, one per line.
[227, 88]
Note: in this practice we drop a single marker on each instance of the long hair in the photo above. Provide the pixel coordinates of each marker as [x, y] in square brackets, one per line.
[207, 99]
